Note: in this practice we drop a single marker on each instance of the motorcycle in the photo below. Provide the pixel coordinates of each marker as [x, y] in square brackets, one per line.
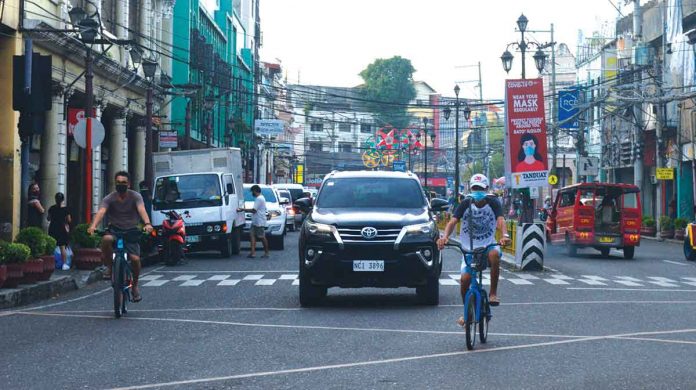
[172, 243]
[690, 242]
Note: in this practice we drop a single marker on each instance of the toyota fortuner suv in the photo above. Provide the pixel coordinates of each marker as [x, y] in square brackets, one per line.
[369, 229]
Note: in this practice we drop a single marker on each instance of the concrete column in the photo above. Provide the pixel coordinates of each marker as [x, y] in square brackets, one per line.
[54, 135]
[122, 27]
[118, 159]
[138, 171]
[145, 19]
[97, 182]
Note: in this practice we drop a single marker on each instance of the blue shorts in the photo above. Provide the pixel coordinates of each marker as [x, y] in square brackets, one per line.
[466, 269]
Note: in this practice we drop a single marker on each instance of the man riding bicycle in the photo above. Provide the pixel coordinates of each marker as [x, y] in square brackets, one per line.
[123, 209]
[486, 219]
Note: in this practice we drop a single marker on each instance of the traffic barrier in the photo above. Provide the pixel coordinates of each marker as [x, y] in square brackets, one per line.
[529, 251]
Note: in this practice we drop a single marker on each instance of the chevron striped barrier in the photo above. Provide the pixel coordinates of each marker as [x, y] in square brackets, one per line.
[530, 246]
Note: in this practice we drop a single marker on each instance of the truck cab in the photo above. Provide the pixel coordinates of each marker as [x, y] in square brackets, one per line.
[205, 187]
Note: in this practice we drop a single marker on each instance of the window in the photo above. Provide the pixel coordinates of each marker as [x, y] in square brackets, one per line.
[567, 199]
[267, 193]
[345, 147]
[365, 128]
[317, 127]
[371, 193]
[630, 200]
[344, 127]
[197, 190]
[316, 147]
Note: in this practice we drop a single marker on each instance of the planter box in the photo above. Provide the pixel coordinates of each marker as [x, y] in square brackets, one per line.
[3, 274]
[648, 231]
[15, 273]
[49, 266]
[33, 269]
[87, 258]
[679, 234]
[667, 234]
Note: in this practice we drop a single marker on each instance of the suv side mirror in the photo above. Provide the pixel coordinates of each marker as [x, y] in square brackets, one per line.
[304, 204]
[229, 188]
[284, 201]
[439, 204]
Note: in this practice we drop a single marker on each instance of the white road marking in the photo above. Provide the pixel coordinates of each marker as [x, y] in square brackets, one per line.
[630, 289]
[662, 282]
[184, 277]
[288, 277]
[449, 282]
[562, 277]
[265, 282]
[296, 282]
[193, 282]
[155, 283]
[253, 277]
[658, 340]
[527, 277]
[520, 281]
[691, 279]
[150, 277]
[628, 283]
[630, 279]
[675, 262]
[556, 281]
[228, 282]
[594, 277]
[592, 282]
[455, 276]
[218, 277]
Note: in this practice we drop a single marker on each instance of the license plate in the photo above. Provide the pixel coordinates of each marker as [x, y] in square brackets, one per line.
[368, 265]
[247, 225]
[193, 238]
[606, 239]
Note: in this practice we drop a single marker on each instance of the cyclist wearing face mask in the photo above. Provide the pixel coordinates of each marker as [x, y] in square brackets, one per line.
[486, 219]
[123, 208]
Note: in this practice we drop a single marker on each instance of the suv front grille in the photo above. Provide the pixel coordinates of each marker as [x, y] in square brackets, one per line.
[354, 234]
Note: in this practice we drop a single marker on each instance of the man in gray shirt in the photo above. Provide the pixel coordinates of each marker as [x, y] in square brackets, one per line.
[123, 208]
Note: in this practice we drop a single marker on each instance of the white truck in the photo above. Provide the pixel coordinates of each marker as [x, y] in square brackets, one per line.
[205, 187]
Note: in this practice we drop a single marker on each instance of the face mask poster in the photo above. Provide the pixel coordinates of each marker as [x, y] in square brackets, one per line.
[525, 143]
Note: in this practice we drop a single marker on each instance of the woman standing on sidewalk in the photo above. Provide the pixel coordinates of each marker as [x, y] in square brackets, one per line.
[59, 226]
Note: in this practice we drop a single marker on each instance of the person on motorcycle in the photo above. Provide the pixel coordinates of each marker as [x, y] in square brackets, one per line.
[487, 218]
[123, 209]
[547, 203]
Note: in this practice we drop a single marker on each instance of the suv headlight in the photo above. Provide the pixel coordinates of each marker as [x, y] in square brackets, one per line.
[274, 213]
[320, 228]
[421, 228]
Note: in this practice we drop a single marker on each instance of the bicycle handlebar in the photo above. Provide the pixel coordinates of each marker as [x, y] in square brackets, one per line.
[453, 243]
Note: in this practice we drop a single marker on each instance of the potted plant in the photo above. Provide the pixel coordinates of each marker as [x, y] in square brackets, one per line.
[48, 257]
[3, 267]
[87, 255]
[35, 239]
[666, 227]
[648, 227]
[16, 255]
[680, 228]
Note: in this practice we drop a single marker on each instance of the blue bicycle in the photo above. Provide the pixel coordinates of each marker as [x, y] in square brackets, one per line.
[477, 309]
[121, 273]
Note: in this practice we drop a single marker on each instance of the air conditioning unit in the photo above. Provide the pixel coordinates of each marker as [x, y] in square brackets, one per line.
[653, 179]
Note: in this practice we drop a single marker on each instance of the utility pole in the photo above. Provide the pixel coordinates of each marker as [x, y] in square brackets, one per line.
[637, 109]
[554, 105]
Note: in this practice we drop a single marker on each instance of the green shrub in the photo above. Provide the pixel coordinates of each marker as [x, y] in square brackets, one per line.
[34, 238]
[17, 253]
[50, 246]
[648, 222]
[680, 223]
[81, 238]
[666, 223]
[3, 250]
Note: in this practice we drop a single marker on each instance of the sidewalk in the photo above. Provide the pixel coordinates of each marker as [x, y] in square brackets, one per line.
[60, 282]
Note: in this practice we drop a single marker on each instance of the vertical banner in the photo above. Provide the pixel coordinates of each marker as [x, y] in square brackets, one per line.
[525, 125]
[568, 109]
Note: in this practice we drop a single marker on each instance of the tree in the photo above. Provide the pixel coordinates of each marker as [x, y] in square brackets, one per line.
[389, 88]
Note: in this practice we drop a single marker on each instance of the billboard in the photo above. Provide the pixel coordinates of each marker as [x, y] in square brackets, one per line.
[75, 115]
[269, 127]
[568, 109]
[525, 129]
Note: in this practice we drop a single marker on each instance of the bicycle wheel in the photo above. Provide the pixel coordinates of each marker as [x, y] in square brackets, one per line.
[470, 325]
[485, 317]
[117, 284]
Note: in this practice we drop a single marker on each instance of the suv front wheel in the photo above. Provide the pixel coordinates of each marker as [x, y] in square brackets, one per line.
[430, 293]
[310, 295]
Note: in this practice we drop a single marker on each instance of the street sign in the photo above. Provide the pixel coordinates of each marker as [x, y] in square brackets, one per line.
[534, 192]
[80, 133]
[568, 108]
[553, 180]
[168, 139]
[588, 166]
[664, 173]
[269, 127]
[399, 166]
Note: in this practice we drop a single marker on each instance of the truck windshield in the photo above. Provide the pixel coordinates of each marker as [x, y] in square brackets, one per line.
[187, 191]
[370, 193]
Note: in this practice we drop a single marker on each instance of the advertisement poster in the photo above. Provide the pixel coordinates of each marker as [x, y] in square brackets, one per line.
[527, 162]
[74, 116]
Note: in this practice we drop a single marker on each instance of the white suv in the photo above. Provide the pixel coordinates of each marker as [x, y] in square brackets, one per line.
[275, 225]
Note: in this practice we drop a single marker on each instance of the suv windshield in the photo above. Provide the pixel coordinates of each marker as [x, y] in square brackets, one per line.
[265, 191]
[187, 191]
[371, 193]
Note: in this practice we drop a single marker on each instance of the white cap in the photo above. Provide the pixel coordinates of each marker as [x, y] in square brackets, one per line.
[478, 180]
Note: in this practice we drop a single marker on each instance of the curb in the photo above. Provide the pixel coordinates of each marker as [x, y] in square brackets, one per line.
[60, 282]
[667, 240]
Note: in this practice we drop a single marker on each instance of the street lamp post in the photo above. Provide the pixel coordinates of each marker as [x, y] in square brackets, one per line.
[456, 142]
[149, 69]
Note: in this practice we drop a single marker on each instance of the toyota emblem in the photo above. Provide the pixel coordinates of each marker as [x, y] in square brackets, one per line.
[369, 233]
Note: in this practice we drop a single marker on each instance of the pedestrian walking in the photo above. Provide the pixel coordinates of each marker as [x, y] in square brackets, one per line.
[35, 210]
[258, 221]
[59, 227]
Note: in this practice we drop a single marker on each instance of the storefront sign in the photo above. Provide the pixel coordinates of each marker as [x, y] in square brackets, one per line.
[664, 173]
[168, 139]
[269, 127]
[525, 143]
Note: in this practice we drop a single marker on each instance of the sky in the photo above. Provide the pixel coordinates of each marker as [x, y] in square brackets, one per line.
[328, 42]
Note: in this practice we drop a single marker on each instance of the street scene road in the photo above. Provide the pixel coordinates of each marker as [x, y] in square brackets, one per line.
[237, 323]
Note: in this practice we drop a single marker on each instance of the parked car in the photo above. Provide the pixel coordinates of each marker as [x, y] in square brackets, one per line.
[597, 215]
[369, 229]
[296, 191]
[276, 217]
[289, 210]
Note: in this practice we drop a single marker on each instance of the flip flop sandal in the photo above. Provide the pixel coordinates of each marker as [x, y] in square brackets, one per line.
[494, 302]
[251, 257]
[137, 298]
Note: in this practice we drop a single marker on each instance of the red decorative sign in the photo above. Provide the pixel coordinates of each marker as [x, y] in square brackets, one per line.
[525, 146]
[74, 116]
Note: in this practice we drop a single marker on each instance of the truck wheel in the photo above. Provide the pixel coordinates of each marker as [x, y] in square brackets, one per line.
[430, 293]
[310, 295]
[628, 252]
[277, 242]
[236, 240]
[226, 249]
[571, 249]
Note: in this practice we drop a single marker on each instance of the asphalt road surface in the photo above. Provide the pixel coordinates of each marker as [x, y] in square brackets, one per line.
[234, 323]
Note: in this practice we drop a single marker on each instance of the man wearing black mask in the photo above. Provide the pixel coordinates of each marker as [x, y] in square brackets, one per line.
[123, 208]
